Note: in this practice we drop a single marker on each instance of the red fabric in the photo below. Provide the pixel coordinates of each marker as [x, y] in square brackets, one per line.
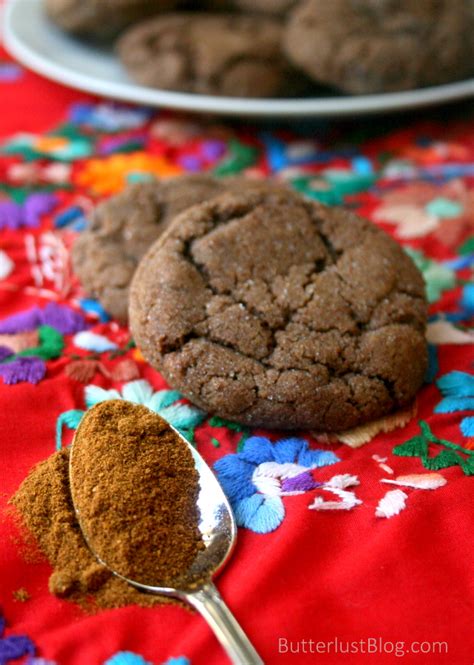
[319, 576]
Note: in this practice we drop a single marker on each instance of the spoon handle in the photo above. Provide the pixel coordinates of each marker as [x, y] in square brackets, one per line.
[209, 603]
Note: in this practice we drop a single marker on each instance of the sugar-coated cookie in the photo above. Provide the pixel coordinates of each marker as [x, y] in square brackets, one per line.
[273, 311]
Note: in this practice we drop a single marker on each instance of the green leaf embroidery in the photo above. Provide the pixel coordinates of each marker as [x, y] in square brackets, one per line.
[418, 446]
[415, 447]
[442, 461]
[240, 156]
[215, 421]
[51, 345]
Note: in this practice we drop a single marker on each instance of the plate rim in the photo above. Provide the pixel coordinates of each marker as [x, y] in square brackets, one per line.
[323, 107]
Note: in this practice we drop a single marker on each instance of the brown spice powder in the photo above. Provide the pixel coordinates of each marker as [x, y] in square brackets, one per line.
[21, 595]
[45, 505]
[135, 487]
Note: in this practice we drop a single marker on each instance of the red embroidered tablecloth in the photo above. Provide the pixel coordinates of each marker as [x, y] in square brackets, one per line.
[366, 556]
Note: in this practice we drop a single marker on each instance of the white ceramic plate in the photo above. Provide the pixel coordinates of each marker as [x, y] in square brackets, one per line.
[36, 43]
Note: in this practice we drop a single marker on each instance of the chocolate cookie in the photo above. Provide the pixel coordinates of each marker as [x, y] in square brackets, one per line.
[278, 7]
[368, 46]
[274, 311]
[102, 19]
[219, 54]
[125, 226]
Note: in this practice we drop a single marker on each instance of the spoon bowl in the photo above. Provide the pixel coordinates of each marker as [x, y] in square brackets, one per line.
[218, 531]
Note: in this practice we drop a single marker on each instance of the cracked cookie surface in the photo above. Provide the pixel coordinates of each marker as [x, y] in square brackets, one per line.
[277, 7]
[368, 46]
[274, 311]
[222, 54]
[125, 226]
[102, 19]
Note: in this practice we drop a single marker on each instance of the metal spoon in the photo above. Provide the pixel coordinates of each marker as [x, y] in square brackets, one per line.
[219, 532]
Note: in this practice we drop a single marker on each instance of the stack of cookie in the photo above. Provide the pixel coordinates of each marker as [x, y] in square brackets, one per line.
[268, 48]
[258, 305]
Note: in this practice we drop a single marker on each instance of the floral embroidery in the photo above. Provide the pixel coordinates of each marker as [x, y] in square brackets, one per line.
[422, 207]
[338, 485]
[130, 658]
[438, 278]
[424, 481]
[31, 370]
[73, 217]
[65, 144]
[83, 370]
[392, 503]
[458, 390]
[382, 464]
[14, 646]
[49, 262]
[126, 658]
[27, 214]
[358, 436]
[90, 341]
[94, 308]
[10, 72]
[61, 317]
[28, 364]
[109, 117]
[451, 454]
[20, 341]
[256, 478]
[6, 265]
[165, 403]
[31, 337]
[111, 174]
[239, 157]
[215, 421]
[465, 307]
[423, 197]
[441, 331]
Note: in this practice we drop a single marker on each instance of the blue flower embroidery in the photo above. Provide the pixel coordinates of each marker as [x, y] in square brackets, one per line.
[458, 390]
[255, 479]
[130, 658]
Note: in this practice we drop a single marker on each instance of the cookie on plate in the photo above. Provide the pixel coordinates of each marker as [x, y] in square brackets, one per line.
[125, 226]
[369, 46]
[274, 311]
[102, 19]
[278, 7]
[219, 54]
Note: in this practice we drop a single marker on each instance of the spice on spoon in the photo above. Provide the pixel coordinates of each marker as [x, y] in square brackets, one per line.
[45, 506]
[135, 487]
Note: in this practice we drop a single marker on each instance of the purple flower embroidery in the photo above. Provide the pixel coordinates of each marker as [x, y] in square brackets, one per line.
[10, 71]
[63, 318]
[36, 205]
[14, 646]
[21, 322]
[23, 369]
[15, 215]
[10, 215]
[66, 320]
[302, 483]
[5, 352]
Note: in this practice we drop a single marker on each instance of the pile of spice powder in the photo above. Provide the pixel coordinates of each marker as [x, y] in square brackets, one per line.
[137, 487]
